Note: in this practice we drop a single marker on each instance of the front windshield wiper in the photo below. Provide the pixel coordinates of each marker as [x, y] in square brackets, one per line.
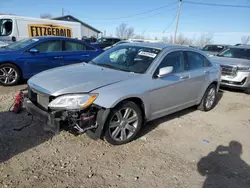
[108, 66]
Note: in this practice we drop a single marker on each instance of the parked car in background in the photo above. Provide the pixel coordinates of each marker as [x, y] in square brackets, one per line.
[235, 64]
[114, 96]
[214, 49]
[89, 39]
[122, 42]
[104, 42]
[27, 57]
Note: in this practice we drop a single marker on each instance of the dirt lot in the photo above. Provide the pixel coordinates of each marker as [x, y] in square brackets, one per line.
[181, 150]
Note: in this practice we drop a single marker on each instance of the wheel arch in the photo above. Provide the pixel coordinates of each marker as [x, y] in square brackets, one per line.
[137, 100]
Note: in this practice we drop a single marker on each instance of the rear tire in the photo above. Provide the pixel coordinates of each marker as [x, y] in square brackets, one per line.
[9, 74]
[209, 99]
[123, 123]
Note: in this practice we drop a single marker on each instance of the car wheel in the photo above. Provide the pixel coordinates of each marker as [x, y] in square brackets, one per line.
[9, 74]
[123, 123]
[209, 99]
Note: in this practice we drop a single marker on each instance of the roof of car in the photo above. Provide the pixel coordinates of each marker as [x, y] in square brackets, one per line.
[155, 45]
[243, 46]
[111, 38]
[51, 37]
[217, 45]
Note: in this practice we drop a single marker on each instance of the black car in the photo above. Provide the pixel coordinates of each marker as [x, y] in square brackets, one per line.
[104, 42]
[213, 49]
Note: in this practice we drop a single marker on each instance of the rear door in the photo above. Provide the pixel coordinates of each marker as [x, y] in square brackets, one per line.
[77, 52]
[195, 64]
[49, 56]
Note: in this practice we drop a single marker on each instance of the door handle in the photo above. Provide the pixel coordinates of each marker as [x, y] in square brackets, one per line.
[85, 55]
[207, 72]
[184, 77]
[58, 57]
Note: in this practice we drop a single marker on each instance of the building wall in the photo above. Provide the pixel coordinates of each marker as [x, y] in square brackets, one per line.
[88, 32]
[85, 30]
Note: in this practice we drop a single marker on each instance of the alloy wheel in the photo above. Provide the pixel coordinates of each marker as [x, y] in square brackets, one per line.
[8, 75]
[210, 98]
[123, 124]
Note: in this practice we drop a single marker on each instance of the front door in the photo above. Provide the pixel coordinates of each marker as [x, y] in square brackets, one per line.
[49, 55]
[172, 92]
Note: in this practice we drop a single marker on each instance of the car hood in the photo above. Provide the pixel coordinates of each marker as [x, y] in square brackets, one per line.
[78, 78]
[230, 61]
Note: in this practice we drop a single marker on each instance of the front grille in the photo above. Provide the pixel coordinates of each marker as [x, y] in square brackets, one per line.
[39, 99]
[228, 70]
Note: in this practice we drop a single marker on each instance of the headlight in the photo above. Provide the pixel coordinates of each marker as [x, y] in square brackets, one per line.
[73, 101]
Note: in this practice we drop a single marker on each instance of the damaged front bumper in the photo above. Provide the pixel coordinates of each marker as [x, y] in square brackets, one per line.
[76, 122]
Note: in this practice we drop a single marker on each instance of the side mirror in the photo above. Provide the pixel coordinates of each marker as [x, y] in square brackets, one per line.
[165, 71]
[34, 50]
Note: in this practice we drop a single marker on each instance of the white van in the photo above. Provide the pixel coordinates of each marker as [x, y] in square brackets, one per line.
[14, 28]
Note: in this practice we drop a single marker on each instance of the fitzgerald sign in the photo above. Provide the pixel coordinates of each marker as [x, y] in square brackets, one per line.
[49, 30]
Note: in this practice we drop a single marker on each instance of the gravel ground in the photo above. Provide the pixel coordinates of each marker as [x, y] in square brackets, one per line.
[186, 149]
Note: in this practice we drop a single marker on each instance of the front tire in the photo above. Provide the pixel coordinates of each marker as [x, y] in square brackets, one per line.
[208, 101]
[9, 74]
[123, 123]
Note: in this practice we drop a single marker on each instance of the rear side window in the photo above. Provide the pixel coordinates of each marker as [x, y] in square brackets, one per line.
[76, 46]
[174, 59]
[194, 61]
[49, 46]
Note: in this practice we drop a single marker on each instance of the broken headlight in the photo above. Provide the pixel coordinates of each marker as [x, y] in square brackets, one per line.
[73, 101]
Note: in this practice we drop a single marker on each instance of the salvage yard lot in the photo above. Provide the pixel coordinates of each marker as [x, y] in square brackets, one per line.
[167, 153]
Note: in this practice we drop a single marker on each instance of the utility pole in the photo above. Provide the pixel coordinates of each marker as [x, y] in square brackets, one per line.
[62, 11]
[177, 20]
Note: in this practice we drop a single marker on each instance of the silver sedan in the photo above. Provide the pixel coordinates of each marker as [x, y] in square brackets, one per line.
[117, 92]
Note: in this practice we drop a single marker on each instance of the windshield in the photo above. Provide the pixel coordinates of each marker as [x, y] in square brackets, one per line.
[235, 53]
[21, 44]
[5, 27]
[127, 58]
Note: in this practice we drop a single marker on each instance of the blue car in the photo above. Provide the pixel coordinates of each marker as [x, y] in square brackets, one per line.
[25, 58]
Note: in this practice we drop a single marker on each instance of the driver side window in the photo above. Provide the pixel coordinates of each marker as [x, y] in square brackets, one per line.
[174, 59]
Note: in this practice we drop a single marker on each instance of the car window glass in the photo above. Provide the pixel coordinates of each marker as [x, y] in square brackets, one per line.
[194, 61]
[74, 46]
[174, 59]
[49, 46]
[217, 48]
[5, 27]
[127, 58]
[206, 62]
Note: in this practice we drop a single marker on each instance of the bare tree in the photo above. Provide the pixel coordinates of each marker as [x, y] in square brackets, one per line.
[204, 40]
[129, 33]
[46, 16]
[245, 39]
[124, 32]
[138, 36]
[168, 39]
